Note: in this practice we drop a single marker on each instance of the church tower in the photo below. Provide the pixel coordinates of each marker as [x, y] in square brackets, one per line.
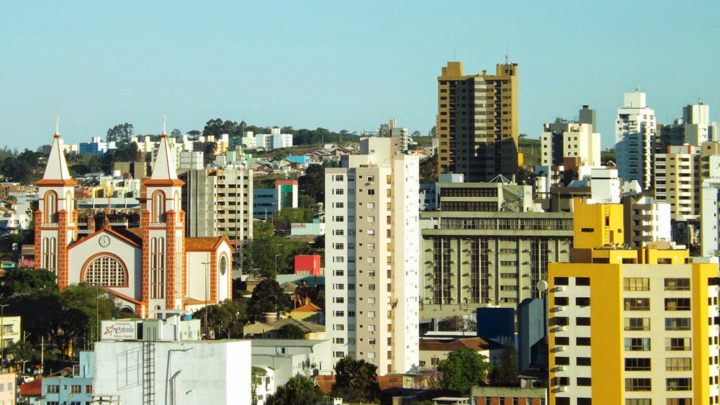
[163, 234]
[56, 217]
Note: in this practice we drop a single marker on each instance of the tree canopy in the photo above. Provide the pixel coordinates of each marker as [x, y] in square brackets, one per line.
[299, 390]
[120, 133]
[313, 183]
[356, 380]
[224, 320]
[290, 331]
[267, 296]
[463, 369]
[506, 373]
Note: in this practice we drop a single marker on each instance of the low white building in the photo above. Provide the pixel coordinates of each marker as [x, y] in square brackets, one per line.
[180, 372]
[290, 357]
[274, 140]
[710, 217]
[604, 185]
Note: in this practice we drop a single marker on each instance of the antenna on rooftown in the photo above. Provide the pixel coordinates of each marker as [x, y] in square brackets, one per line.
[507, 55]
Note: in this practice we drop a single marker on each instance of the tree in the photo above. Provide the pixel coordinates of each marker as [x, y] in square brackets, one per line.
[267, 296]
[120, 133]
[224, 320]
[175, 133]
[299, 390]
[19, 353]
[26, 281]
[356, 380]
[16, 170]
[290, 331]
[463, 369]
[313, 182]
[507, 371]
[82, 308]
[218, 127]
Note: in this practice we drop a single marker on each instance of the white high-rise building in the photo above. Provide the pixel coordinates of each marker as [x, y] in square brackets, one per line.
[697, 123]
[635, 134]
[372, 257]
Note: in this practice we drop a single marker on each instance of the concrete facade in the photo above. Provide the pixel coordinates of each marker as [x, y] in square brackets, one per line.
[635, 137]
[371, 257]
[211, 372]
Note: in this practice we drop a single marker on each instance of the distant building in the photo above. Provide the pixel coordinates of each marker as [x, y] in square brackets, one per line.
[677, 181]
[291, 357]
[274, 140]
[191, 160]
[569, 139]
[433, 350]
[307, 264]
[400, 135]
[267, 202]
[8, 389]
[635, 137]
[372, 258]
[74, 389]
[508, 395]
[96, 147]
[487, 245]
[477, 122]
[646, 221]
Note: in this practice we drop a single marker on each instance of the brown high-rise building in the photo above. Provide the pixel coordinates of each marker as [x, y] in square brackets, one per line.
[477, 122]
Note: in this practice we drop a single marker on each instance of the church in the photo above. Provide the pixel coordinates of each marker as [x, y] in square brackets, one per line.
[146, 269]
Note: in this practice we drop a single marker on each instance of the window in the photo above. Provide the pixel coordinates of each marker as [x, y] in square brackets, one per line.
[559, 321]
[677, 284]
[583, 281]
[158, 207]
[638, 401]
[678, 364]
[75, 388]
[637, 323]
[636, 284]
[677, 344]
[562, 341]
[681, 401]
[562, 361]
[106, 271]
[637, 384]
[584, 382]
[561, 281]
[637, 344]
[637, 364]
[53, 389]
[582, 361]
[582, 341]
[561, 300]
[677, 323]
[339, 327]
[582, 301]
[637, 304]
[677, 304]
[339, 354]
[582, 321]
[678, 384]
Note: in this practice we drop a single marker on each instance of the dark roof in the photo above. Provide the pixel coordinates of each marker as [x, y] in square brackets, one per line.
[472, 343]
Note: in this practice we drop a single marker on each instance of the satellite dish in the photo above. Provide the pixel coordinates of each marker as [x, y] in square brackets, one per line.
[541, 285]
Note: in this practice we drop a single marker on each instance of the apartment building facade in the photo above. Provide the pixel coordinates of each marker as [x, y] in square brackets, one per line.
[372, 257]
[571, 139]
[635, 138]
[677, 181]
[477, 122]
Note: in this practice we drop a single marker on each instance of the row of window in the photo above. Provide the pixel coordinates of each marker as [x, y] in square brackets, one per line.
[671, 344]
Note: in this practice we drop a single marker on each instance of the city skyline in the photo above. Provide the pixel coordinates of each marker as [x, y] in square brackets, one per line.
[347, 67]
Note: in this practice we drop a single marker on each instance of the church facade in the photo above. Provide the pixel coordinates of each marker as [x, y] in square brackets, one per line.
[145, 270]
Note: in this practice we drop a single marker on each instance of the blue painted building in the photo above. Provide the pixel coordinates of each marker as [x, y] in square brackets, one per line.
[75, 390]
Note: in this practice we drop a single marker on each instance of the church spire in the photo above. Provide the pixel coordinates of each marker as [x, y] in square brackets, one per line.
[164, 168]
[56, 170]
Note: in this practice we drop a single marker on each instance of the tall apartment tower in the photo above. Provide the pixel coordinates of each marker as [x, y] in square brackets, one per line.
[677, 180]
[633, 326]
[219, 202]
[477, 122]
[372, 257]
[635, 136]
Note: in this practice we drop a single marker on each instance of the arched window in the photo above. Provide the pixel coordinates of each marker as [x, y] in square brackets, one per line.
[106, 271]
[51, 207]
[157, 268]
[49, 247]
[223, 265]
[158, 207]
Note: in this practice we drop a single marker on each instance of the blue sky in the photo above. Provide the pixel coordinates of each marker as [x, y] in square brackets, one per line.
[338, 64]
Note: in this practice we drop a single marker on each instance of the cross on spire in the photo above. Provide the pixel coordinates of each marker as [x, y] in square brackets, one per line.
[57, 125]
[164, 122]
